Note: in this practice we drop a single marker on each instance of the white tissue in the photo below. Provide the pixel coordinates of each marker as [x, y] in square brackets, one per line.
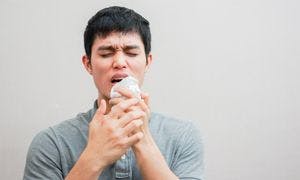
[130, 83]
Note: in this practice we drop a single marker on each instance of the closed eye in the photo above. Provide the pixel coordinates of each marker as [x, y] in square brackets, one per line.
[106, 55]
[131, 54]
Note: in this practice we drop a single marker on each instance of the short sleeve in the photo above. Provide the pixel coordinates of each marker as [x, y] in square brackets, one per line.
[43, 160]
[188, 163]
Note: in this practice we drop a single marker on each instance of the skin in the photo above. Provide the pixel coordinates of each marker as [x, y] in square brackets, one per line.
[119, 123]
[117, 53]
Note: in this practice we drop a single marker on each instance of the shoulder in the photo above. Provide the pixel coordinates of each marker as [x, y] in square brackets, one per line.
[174, 133]
[42, 155]
[72, 128]
[181, 144]
[172, 125]
[42, 139]
[165, 120]
[66, 130]
[182, 139]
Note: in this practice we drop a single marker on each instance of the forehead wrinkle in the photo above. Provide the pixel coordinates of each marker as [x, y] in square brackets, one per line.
[118, 47]
[120, 42]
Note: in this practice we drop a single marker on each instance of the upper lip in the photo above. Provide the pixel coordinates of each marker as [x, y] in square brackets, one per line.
[119, 76]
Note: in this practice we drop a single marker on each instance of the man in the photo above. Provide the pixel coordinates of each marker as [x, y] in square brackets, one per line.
[119, 138]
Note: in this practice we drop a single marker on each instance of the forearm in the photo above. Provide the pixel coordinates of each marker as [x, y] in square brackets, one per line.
[151, 162]
[86, 168]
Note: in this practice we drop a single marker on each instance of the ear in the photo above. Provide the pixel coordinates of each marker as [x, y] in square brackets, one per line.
[148, 62]
[87, 64]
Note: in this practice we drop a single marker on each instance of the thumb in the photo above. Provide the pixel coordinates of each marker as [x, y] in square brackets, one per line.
[101, 110]
[99, 114]
[102, 107]
[145, 97]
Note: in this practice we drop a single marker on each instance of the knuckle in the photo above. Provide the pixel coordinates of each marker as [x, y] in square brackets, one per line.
[113, 109]
[133, 101]
[122, 106]
[137, 123]
[116, 136]
[111, 102]
[140, 114]
[122, 144]
[143, 114]
[139, 135]
[110, 128]
[131, 115]
[147, 111]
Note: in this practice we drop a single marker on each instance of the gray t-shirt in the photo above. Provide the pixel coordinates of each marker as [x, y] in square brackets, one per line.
[54, 151]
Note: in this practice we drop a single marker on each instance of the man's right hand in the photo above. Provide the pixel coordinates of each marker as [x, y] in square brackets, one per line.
[110, 136]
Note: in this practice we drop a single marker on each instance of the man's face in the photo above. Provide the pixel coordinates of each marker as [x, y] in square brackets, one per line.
[114, 57]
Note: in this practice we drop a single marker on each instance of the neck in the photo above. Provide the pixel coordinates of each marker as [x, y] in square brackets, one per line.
[108, 106]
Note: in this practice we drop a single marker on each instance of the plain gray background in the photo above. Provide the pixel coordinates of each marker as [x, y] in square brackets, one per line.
[230, 66]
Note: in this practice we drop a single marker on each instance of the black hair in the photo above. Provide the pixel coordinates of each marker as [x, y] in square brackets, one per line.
[116, 19]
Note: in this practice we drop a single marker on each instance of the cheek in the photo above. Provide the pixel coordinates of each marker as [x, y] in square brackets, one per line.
[139, 71]
[100, 67]
[100, 72]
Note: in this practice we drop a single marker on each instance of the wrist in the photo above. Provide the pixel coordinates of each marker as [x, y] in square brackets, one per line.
[146, 142]
[146, 147]
[86, 167]
[94, 165]
[147, 155]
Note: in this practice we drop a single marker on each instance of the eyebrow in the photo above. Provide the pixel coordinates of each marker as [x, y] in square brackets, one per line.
[111, 48]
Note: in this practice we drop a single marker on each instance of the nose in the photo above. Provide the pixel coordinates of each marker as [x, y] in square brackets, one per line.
[119, 61]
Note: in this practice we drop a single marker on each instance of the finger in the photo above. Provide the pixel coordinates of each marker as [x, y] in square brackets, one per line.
[133, 108]
[102, 108]
[144, 107]
[131, 140]
[119, 109]
[130, 116]
[133, 125]
[115, 101]
[141, 106]
[145, 97]
[99, 114]
[125, 92]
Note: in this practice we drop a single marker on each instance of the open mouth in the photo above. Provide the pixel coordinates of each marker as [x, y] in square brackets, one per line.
[117, 78]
